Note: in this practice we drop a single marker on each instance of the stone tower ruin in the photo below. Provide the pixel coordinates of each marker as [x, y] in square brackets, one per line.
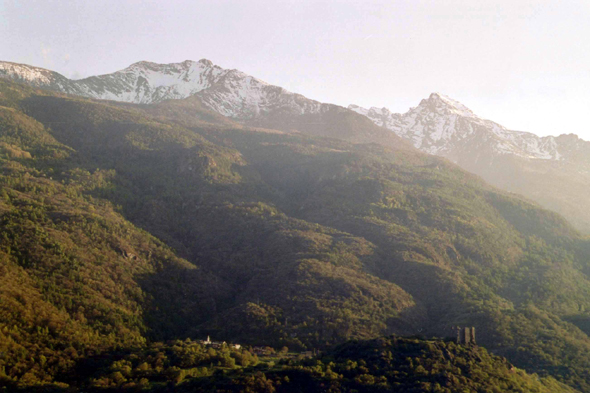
[465, 335]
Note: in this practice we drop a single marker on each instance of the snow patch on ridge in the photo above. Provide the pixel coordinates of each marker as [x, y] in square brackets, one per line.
[24, 72]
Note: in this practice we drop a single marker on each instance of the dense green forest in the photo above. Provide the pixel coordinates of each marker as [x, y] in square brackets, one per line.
[124, 226]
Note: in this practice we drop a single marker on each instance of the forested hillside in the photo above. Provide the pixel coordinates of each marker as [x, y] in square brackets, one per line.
[123, 225]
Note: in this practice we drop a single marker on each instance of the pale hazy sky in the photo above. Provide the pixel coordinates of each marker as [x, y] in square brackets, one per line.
[524, 64]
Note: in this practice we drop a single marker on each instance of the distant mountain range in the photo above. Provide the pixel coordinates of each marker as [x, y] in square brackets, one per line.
[553, 171]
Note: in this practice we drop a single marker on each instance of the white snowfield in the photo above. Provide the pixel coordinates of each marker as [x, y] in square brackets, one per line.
[440, 125]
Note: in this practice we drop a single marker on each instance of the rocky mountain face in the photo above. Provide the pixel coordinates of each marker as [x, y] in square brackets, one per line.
[554, 171]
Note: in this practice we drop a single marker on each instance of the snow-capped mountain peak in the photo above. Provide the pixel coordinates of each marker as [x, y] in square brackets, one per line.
[443, 126]
[231, 93]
